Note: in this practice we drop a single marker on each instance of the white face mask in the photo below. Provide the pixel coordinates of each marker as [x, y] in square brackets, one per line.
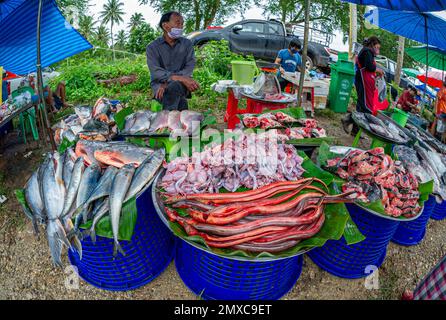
[175, 33]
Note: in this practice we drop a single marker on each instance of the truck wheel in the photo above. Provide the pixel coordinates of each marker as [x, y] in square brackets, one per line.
[309, 65]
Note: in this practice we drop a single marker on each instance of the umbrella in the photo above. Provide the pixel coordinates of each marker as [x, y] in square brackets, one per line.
[405, 5]
[433, 78]
[437, 57]
[422, 27]
[411, 72]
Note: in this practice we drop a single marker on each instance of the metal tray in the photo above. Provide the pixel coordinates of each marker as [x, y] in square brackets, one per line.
[160, 210]
[290, 99]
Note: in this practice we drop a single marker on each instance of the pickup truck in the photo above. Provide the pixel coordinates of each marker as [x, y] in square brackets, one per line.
[263, 39]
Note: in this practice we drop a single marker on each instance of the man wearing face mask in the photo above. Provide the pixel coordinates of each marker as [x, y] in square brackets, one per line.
[290, 61]
[171, 60]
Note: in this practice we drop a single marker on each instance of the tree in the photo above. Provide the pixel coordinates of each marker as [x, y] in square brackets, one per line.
[136, 20]
[200, 14]
[80, 5]
[140, 37]
[86, 26]
[112, 13]
[121, 40]
[327, 14]
[102, 36]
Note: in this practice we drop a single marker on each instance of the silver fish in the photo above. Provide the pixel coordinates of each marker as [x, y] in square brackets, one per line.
[73, 187]
[33, 197]
[53, 191]
[173, 121]
[145, 173]
[67, 169]
[139, 122]
[121, 184]
[188, 118]
[56, 239]
[99, 213]
[84, 113]
[74, 239]
[160, 122]
[88, 183]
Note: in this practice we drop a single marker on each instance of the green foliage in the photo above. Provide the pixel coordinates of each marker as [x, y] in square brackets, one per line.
[201, 14]
[136, 20]
[86, 27]
[101, 37]
[140, 37]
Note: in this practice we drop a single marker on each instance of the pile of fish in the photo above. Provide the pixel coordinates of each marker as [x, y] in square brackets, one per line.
[374, 175]
[427, 138]
[426, 165]
[250, 160]
[271, 219]
[177, 122]
[308, 127]
[64, 190]
[381, 127]
[89, 123]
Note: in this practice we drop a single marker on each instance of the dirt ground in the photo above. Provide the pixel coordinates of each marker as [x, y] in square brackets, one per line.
[26, 271]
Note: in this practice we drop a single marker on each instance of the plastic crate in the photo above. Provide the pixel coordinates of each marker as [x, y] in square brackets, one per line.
[213, 277]
[439, 211]
[147, 255]
[412, 233]
[354, 261]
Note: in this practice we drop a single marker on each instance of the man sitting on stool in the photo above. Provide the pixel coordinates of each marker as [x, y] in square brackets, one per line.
[171, 60]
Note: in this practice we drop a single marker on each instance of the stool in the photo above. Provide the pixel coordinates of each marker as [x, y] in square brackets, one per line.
[28, 123]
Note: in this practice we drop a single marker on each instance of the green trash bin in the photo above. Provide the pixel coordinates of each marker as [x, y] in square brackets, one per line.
[341, 86]
[243, 72]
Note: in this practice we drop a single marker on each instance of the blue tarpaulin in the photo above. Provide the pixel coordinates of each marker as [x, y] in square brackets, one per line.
[18, 35]
[422, 27]
[405, 5]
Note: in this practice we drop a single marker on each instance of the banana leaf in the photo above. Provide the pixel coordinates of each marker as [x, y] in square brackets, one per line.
[20, 195]
[337, 220]
[425, 189]
[121, 115]
[129, 214]
[311, 141]
[66, 144]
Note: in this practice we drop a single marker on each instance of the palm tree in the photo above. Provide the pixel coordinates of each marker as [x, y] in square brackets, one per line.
[121, 39]
[86, 26]
[136, 20]
[112, 13]
[102, 35]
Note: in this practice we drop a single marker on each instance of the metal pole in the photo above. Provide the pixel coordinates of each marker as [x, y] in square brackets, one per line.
[305, 52]
[427, 59]
[353, 37]
[40, 79]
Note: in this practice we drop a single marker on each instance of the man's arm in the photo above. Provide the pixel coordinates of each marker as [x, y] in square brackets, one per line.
[158, 73]
[188, 69]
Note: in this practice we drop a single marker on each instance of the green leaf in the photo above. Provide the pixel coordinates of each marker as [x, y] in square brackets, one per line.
[127, 223]
[20, 195]
[311, 141]
[312, 170]
[426, 189]
[66, 144]
[296, 113]
[352, 235]
[121, 115]
[325, 154]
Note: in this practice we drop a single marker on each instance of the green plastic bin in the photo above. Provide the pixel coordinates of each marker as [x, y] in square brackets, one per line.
[243, 72]
[400, 117]
[341, 85]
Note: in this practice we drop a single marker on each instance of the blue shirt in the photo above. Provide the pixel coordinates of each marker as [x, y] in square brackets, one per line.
[4, 91]
[289, 62]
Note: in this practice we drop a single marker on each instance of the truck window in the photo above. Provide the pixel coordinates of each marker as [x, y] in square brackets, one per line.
[276, 29]
[392, 66]
[255, 27]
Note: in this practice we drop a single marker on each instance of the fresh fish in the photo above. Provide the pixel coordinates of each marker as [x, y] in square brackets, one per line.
[84, 113]
[160, 122]
[88, 183]
[102, 106]
[67, 169]
[57, 238]
[121, 184]
[188, 118]
[99, 213]
[96, 127]
[69, 135]
[73, 237]
[361, 120]
[409, 157]
[381, 131]
[53, 191]
[118, 157]
[33, 197]
[73, 187]
[139, 122]
[145, 173]
[173, 121]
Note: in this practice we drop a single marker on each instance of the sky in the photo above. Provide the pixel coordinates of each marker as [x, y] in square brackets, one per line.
[153, 17]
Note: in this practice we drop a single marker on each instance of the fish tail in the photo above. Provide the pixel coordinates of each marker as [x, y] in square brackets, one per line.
[56, 239]
[117, 248]
[77, 245]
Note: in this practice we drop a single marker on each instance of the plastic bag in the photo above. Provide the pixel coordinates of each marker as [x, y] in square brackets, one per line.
[441, 126]
[382, 88]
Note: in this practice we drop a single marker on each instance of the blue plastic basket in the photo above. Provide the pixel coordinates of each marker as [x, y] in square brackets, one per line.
[439, 212]
[412, 233]
[147, 255]
[214, 277]
[354, 261]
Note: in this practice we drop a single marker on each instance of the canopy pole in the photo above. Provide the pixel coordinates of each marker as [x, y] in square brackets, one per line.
[427, 60]
[40, 79]
[305, 52]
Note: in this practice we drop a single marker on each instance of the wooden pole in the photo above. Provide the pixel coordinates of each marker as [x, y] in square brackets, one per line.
[353, 36]
[305, 52]
[40, 79]
[400, 60]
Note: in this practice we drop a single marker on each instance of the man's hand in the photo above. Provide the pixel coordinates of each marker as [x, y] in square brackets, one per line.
[160, 93]
[282, 70]
[189, 83]
[380, 72]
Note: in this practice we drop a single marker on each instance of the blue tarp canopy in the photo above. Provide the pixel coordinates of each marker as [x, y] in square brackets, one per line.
[422, 27]
[405, 5]
[18, 35]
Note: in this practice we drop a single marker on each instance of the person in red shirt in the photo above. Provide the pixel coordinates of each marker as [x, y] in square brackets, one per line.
[407, 102]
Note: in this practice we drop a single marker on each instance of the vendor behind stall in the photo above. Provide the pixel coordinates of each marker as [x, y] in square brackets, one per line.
[290, 61]
[440, 111]
[408, 102]
[171, 60]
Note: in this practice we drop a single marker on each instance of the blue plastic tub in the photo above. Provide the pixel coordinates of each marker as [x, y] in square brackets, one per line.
[354, 261]
[413, 232]
[147, 255]
[439, 212]
[213, 277]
